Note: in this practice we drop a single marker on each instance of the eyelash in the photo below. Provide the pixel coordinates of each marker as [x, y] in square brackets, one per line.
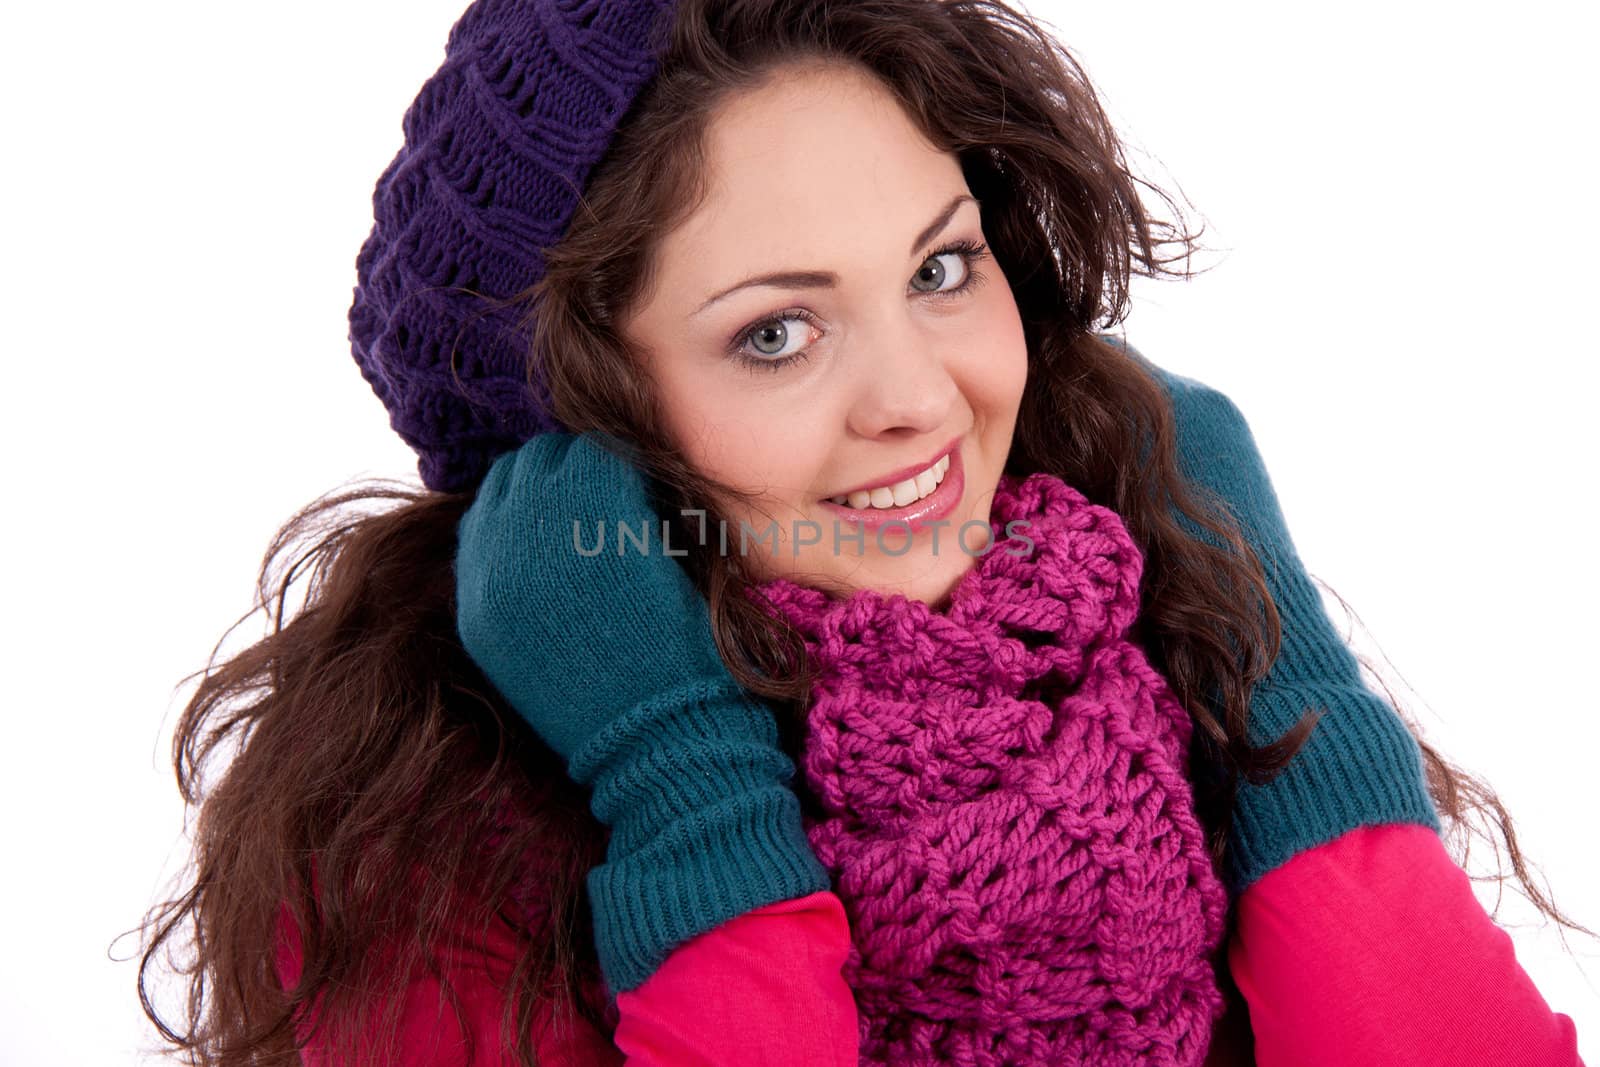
[971, 252]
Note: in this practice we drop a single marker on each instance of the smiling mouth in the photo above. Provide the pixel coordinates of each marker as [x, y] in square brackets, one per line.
[931, 495]
[898, 494]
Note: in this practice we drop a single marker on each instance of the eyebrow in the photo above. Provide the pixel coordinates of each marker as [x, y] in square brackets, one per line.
[821, 279]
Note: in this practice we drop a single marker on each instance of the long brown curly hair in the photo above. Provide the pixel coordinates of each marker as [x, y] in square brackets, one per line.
[358, 743]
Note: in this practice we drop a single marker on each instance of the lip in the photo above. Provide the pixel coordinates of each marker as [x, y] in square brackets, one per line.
[919, 513]
[904, 472]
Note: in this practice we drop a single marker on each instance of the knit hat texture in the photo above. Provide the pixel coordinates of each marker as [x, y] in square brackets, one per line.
[498, 144]
[1007, 810]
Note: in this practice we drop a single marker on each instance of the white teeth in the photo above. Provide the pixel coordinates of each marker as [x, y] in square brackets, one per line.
[899, 494]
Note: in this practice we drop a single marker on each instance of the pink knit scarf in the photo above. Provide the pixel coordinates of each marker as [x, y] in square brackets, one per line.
[1008, 817]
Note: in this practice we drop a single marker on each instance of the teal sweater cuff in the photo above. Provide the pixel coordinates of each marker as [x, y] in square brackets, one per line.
[1361, 766]
[704, 824]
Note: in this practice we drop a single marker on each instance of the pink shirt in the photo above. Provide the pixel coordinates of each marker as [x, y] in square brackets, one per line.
[1368, 949]
[1373, 949]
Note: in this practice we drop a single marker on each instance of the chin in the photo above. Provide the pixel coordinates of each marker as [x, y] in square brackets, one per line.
[930, 580]
[936, 588]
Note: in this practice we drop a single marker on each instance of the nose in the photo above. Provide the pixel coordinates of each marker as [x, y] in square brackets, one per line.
[905, 388]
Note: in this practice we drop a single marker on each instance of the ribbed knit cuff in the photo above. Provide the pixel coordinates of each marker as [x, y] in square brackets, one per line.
[695, 876]
[1361, 767]
[704, 826]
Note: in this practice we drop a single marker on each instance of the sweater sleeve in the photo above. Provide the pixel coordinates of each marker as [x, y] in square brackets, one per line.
[1361, 765]
[1372, 948]
[764, 989]
[430, 1035]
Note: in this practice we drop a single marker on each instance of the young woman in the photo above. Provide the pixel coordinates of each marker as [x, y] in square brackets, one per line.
[1092, 779]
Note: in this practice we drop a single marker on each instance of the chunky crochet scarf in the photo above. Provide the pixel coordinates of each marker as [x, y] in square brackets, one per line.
[1007, 814]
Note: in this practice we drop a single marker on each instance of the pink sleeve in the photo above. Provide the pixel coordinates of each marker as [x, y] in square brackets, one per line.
[430, 1035]
[763, 989]
[1372, 948]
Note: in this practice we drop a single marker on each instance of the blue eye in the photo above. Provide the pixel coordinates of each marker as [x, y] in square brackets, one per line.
[784, 335]
[969, 251]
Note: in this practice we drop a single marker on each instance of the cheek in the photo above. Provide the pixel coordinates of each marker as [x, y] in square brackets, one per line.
[998, 369]
[742, 442]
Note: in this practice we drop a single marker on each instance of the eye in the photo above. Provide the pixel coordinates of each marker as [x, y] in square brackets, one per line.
[767, 344]
[769, 341]
[936, 276]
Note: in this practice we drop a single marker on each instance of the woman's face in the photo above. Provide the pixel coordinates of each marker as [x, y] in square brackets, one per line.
[874, 355]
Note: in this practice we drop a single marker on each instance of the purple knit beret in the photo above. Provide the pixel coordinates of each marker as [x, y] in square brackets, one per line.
[498, 144]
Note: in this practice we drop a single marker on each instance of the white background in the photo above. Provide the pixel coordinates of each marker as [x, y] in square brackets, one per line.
[1401, 200]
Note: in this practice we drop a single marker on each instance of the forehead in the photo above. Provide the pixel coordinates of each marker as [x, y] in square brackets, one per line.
[816, 162]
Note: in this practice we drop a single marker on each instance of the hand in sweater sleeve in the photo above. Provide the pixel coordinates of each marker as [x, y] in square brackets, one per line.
[1361, 766]
[1373, 949]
